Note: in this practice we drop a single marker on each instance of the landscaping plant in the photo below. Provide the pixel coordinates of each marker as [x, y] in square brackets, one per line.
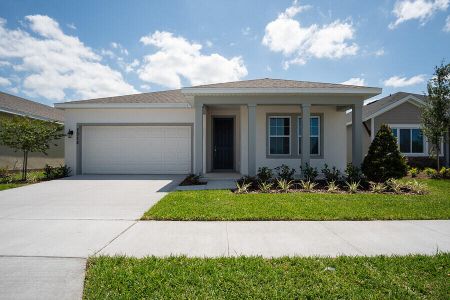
[307, 185]
[384, 160]
[264, 174]
[331, 174]
[243, 187]
[436, 111]
[309, 173]
[377, 187]
[284, 185]
[265, 187]
[432, 173]
[332, 187]
[395, 185]
[352, 187]
[414, 172]
[58, 172]
[29, 135]
[353, 173]
[284, 172]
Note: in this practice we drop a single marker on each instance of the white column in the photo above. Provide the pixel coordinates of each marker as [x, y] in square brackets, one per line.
[198, 139]
[357, 134]
[305, 145]
[251, 139]
[372, 129]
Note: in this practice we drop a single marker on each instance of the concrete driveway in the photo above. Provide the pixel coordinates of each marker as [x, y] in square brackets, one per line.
[48, 229]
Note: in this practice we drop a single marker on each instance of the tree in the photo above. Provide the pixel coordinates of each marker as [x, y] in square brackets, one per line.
[384, 160]
[436, 111]
[29, 135]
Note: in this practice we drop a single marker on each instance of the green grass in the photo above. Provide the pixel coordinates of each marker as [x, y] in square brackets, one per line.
[225, 205]
[15, 180]
[407, 277]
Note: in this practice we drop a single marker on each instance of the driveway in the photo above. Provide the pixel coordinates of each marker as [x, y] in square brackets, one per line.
[48, 229]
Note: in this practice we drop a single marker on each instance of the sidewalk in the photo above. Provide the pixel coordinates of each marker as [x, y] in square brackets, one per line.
[274, 239]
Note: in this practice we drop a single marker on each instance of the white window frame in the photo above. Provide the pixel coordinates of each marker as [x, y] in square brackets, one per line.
[288, 136]
[425, 152]
[299, 134]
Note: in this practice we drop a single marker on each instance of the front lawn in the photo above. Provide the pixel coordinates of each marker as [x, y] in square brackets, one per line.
[226, 205]
[402, 277]
[6, 186]
[14, 180]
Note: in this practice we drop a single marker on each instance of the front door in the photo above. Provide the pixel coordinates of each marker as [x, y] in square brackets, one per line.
[223, 142]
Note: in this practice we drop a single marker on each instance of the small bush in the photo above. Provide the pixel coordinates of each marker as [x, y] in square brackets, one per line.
[265, 187]
[414, 172]
[431, 173]
[384, 160]
[243, 187]
[332, 174]
[309, 173]
[56, 172]
[308, 185]
[444, 173]
[284, 185]
[352, 187]
[416, 187]
[284, 172]
[4, 175]
[395, 186]
[264, 174]
[332, 187]
[353, 173]
[377, 187]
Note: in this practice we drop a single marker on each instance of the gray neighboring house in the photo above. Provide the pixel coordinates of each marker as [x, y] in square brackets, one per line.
[15, 106]
[401, 111]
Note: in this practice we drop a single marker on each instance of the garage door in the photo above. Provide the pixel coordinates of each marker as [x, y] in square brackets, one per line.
[136, 149]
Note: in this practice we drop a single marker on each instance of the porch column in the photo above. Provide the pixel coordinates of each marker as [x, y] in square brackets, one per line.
[357, 134]
[305, 145]
[198, 139]
[251, 139]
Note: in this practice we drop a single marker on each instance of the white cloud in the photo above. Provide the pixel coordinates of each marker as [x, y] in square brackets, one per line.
[209, 44]
[422, 10]
[380, 52]
[447, 25]
[4, 81]
[72, 26]
[298, 43]
[4, 63]
[131, 66]
[397, 81]
[355, 81]
[177, 58]
[145, 87]
[54, 64]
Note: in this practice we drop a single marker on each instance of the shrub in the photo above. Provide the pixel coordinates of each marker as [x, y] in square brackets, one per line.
[394, 185]
[309, 173]
[352, 186]
[384, 160]
[377, 187]
[243, 187]
[308, 185]
[56, 172]
[332, 187]
[331, 174]
[414, 172]
[4, 175]
[432, 173]
[416, 187]
[353, 173]
[284, 185]
[265, 186]
[284, 172]
[265, 174]
[444, 173]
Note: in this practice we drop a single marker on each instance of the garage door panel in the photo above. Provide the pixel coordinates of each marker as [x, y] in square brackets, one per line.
[136, 149]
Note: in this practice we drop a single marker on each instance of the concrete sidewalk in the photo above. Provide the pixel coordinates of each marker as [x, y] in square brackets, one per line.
[274, 239]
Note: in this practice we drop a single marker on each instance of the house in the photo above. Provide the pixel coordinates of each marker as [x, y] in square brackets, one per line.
[15, 106]
[401, 111]
[224, 127]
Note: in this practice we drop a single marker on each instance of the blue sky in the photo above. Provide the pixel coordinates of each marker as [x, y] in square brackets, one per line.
[52, 51]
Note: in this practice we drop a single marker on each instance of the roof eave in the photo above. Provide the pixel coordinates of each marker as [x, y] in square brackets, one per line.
[69, 105]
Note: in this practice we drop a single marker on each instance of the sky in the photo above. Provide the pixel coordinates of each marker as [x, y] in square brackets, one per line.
[54, 51]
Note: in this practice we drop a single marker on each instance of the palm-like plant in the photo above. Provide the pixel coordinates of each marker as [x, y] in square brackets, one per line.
[308, 185]
[352, 186]
[265, 187]
[332, 187]
[284, 185]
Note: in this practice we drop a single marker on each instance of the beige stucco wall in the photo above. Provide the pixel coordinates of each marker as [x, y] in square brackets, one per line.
[366, 141]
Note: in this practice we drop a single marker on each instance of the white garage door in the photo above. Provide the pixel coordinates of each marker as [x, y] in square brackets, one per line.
[136, 149]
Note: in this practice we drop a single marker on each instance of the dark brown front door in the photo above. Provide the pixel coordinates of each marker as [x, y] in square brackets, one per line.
[223, 143]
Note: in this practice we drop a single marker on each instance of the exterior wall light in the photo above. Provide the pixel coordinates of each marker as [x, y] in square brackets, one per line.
[70, 133]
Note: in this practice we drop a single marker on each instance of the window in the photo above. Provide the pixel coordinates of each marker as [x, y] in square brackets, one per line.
[314, 124]
[410, 140]
[279, 135]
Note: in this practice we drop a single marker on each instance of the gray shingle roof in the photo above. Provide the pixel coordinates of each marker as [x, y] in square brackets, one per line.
[18, 105]
[176, 96]
[378, 105]
[275, 83]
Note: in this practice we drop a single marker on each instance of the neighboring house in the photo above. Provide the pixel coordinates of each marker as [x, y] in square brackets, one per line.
[15, 106]
[225, 127]
[401, 111]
